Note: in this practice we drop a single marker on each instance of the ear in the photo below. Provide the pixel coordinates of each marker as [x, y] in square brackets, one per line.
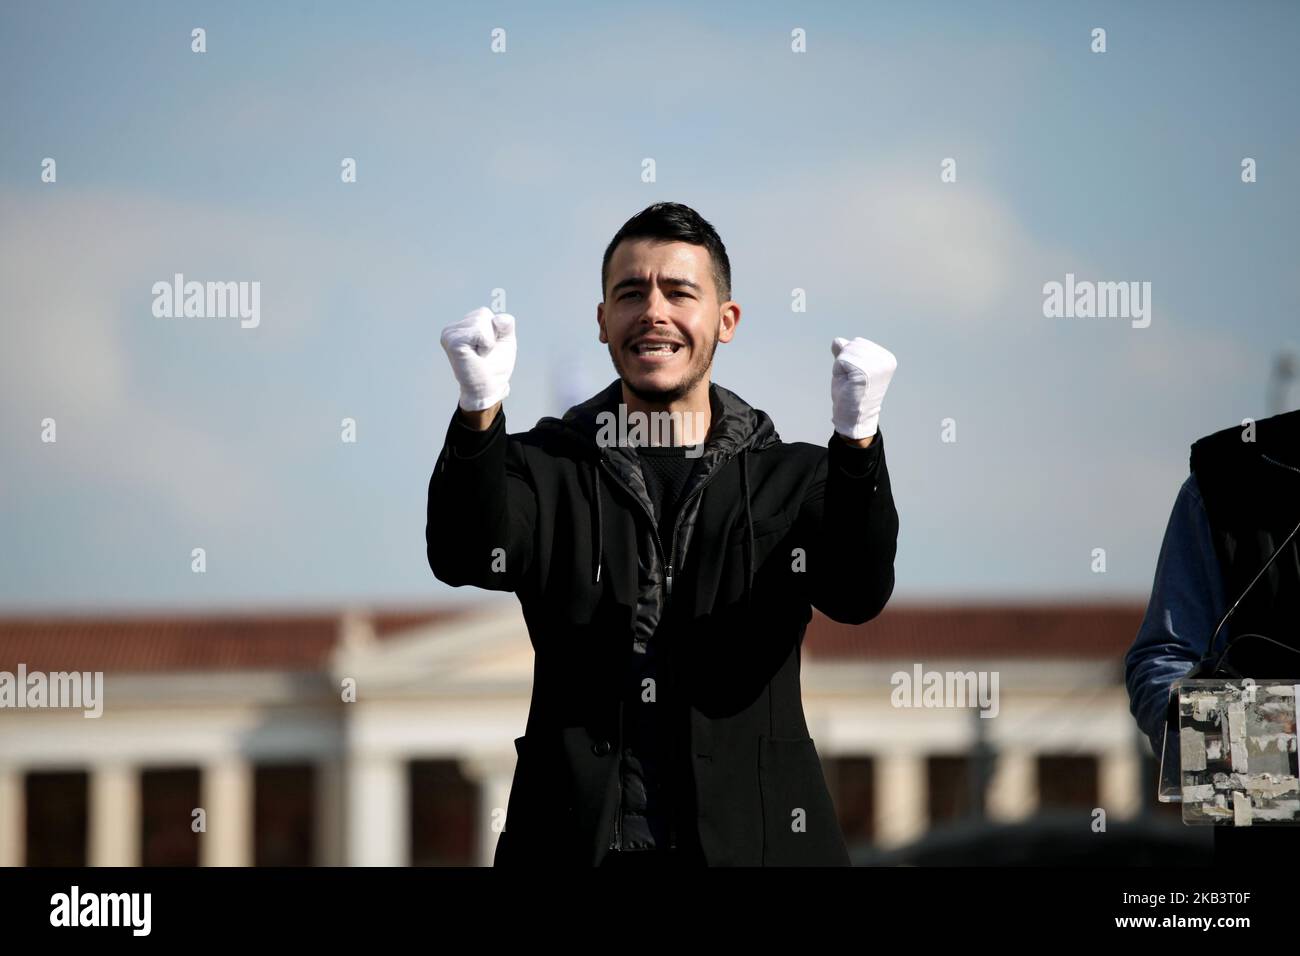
[728, 321]
[600, 320]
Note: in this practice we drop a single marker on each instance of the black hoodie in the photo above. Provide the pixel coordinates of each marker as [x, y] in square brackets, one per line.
[766, 531]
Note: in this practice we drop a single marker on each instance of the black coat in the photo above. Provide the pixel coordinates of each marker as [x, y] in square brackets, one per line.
[767, 530]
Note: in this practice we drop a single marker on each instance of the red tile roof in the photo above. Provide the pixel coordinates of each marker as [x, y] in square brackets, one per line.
[303, 641]
[1091, 631]
[172, 641]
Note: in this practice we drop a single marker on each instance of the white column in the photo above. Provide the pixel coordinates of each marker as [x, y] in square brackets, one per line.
[1119, 782]
[1013, 791]
[377, 802]
[114, 824]
[330, 807]
[493, 775]
[227, 799]
[902, 801]
[13, 817]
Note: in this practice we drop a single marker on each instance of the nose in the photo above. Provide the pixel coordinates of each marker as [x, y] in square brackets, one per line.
[656, 307]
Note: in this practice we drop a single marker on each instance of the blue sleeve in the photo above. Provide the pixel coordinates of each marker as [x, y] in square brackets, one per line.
[1186, 604]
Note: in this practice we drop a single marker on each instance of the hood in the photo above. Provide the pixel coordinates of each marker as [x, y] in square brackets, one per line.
[736, 428]
[735, 423]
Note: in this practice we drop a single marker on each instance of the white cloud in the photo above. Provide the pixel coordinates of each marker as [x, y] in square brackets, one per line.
[76, 269]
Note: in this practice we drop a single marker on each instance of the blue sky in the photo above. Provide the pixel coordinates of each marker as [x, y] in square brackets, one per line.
[479, 171]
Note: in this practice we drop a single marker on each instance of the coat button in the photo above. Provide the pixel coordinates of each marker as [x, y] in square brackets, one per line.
[601, 748]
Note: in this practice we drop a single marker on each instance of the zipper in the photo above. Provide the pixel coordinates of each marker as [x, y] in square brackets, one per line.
[618, 814]
[668, 583]
[677, 521]
[1280, 464]
[649, 516]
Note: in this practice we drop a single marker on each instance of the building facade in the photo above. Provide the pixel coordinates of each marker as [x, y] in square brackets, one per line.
[386, 738]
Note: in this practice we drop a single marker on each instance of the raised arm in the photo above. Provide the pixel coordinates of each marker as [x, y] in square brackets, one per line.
[482, 508]
[852, 524]
[848, 513]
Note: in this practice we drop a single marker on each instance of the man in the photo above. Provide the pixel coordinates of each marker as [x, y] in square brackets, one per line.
[1234, 516]
[666, 574]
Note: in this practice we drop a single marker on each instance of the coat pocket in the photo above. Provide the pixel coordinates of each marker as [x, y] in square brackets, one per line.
[762, 527]
[540, 809]
[768, 535]
[800, 827]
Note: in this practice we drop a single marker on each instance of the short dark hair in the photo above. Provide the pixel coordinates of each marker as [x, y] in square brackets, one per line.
[673, 222]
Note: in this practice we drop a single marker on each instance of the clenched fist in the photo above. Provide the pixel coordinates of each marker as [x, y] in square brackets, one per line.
[481, 348]
[859, 377]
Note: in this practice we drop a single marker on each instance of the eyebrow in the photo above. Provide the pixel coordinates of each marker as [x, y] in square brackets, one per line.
[637, 282]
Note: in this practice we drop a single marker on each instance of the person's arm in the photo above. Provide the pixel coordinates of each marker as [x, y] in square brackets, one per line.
[849, 519]
[1185, 606]
[482, 509]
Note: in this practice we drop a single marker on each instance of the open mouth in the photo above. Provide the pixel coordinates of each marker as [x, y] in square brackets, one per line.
[655, 350]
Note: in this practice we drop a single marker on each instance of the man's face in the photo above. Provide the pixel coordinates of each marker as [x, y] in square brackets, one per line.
[663, 292]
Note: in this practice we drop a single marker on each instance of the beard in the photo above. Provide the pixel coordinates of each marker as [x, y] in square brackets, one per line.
[691, 377]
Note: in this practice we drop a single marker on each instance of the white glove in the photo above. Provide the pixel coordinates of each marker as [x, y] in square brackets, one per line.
[481, 348]
[859, 377]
